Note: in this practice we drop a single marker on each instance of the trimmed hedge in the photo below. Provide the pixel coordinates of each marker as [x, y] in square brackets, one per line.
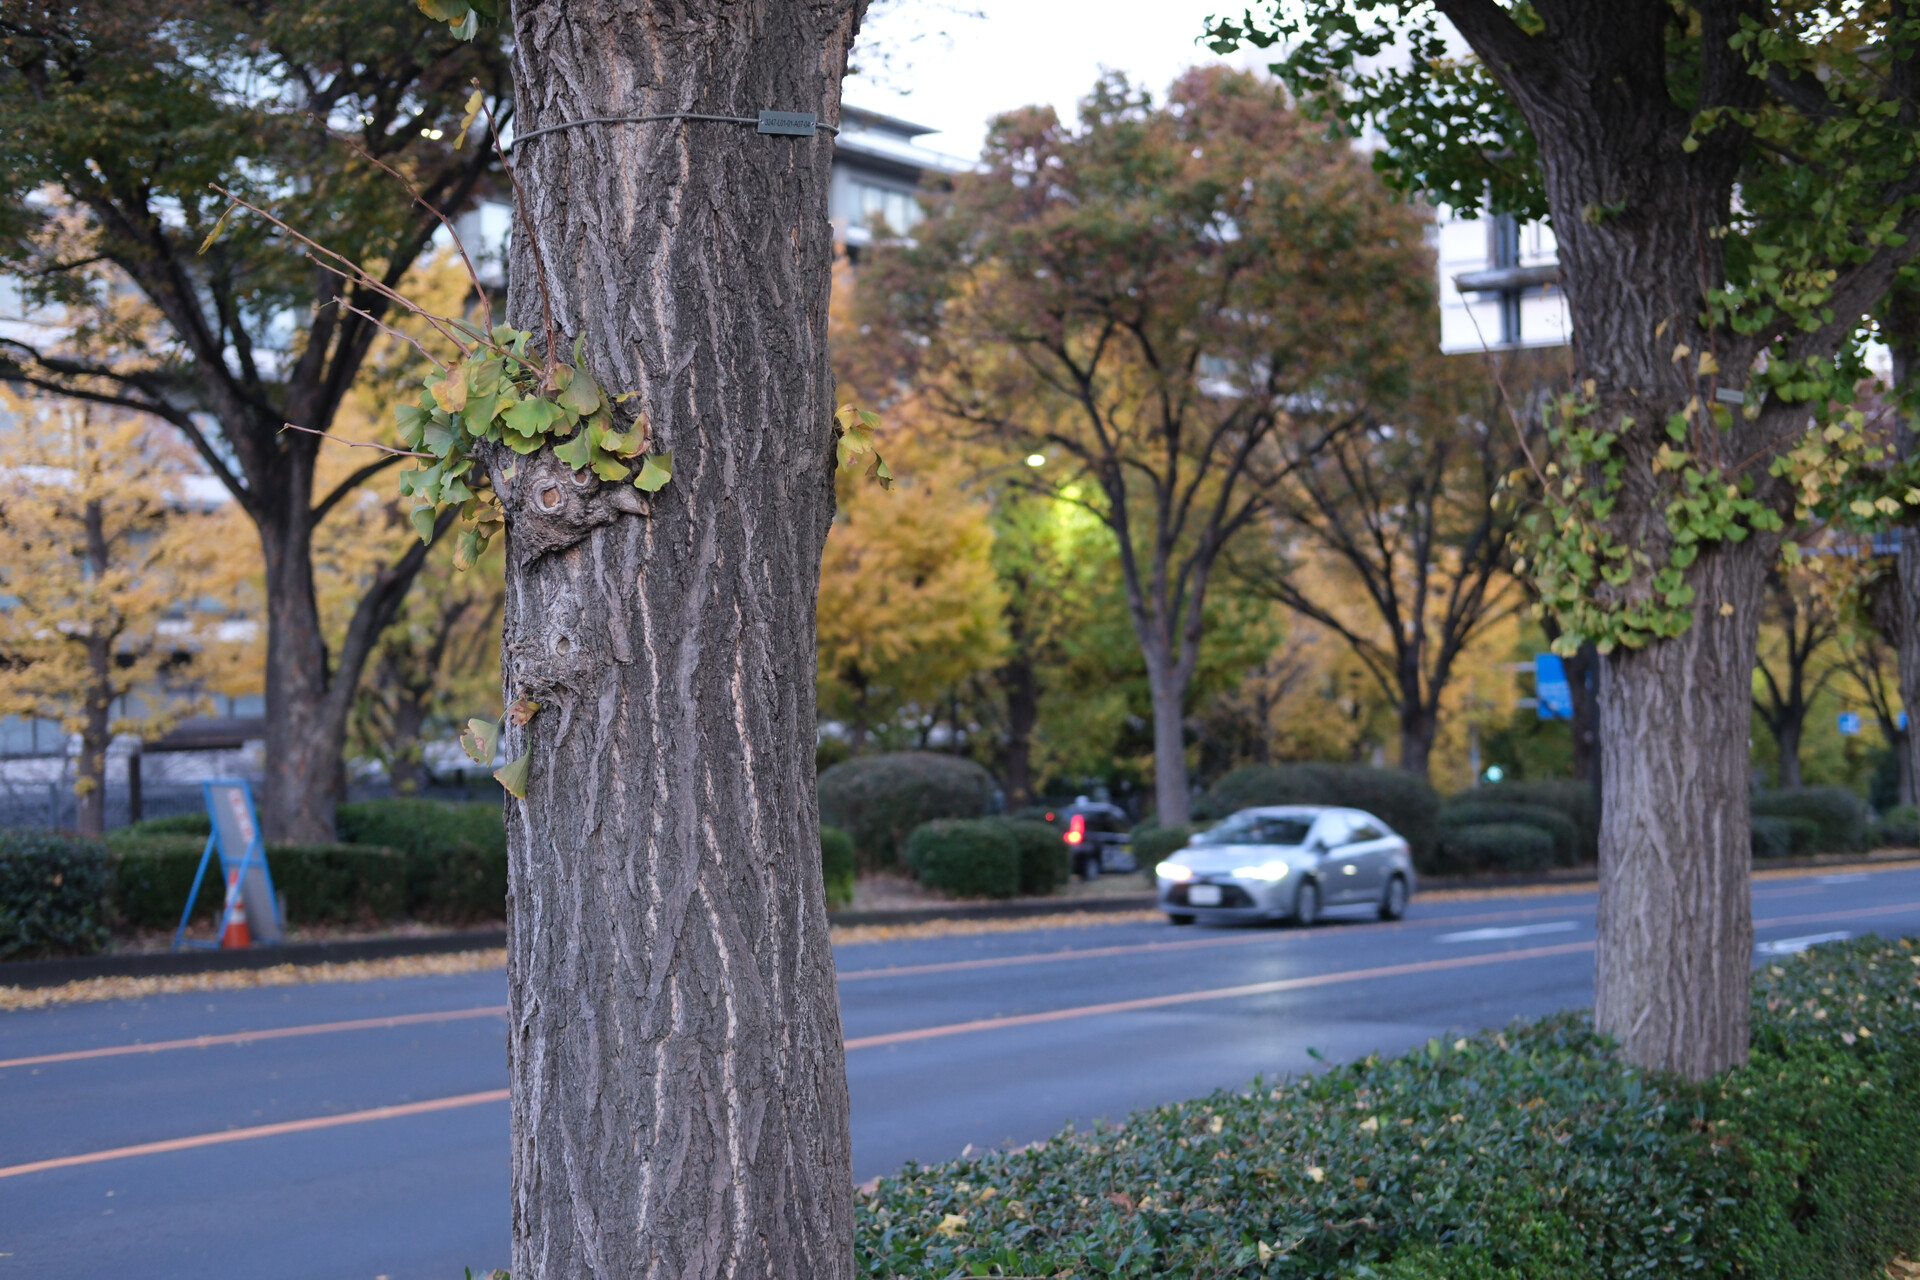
[53, 891]
[1045, 861]
[1839, 815]
[1153, 843]
[1467, 810]
[1494, 846]
[1898, 828]
[879, 800]
[1772, 837]
[1575, 800]
[966, 857]
[455, 852]
[1532, 1153]
[1406, 803]
[837, 866]
[177, 824]
[322, 883]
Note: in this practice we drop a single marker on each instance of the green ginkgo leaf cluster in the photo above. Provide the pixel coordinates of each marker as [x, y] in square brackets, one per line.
[496, 392]
[853, 437]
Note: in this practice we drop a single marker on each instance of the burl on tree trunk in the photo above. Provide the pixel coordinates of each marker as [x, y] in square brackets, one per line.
[679, 1098]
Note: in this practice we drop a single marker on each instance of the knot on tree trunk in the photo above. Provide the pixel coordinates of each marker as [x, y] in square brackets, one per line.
[549, 506]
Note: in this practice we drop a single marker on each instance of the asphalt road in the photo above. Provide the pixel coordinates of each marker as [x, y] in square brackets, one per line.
[293, 1147]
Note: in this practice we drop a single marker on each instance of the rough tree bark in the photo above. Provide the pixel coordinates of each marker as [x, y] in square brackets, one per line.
[95, 734]
[679, 1094]
[1632, 210]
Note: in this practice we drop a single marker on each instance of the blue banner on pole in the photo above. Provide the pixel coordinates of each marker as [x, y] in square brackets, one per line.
[1552, 694]
[1850, 723]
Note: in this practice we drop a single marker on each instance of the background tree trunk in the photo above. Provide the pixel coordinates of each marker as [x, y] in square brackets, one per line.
[1417, 727]
[1173, 800]
[1022, 690]
[94, 735]
[1902, 331]
[1676, 923]
[306, 768]
[679, 1092]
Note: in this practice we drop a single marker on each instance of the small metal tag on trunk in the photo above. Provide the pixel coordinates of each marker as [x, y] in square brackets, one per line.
[798, 124]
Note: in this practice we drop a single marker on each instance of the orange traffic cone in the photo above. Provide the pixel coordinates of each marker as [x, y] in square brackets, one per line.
[237, 934]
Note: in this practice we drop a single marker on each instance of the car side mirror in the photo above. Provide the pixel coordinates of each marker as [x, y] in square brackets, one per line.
[1318, 846]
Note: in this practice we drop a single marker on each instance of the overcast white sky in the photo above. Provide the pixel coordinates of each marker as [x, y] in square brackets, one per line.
[933, 62]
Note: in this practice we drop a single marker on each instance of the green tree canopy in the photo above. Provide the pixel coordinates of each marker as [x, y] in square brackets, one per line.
[341, 116]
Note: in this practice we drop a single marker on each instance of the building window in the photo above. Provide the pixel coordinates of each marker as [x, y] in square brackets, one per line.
[876, 207]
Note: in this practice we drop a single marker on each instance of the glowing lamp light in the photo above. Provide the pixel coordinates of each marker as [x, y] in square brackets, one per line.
[1173, 871]
[1036, 459]
[1076, 828]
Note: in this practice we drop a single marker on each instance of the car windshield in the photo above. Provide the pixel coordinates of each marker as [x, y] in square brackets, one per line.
[1257, 828]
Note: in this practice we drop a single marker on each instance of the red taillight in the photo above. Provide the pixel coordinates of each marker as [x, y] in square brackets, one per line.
[1076, 828]
[1049, 817]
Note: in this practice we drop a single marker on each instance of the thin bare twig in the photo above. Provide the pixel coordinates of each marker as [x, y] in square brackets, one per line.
[358, 444]
[354, 271]
[486, 303]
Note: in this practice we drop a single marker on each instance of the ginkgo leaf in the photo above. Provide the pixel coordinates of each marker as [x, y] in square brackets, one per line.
[522, 710]
[582, 395]
[481, 740]
[474, 102]
[450, 393]
[576, 453]
[655, 470]
[422, 518]
[608, 467]
[218, 225]
[514, 776]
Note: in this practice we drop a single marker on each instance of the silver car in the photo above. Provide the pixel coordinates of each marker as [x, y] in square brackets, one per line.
[1287, 862]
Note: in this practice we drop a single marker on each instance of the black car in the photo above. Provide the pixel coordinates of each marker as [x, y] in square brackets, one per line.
[1097, 835]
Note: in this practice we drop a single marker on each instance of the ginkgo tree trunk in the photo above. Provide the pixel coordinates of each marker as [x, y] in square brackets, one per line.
[679, 1094]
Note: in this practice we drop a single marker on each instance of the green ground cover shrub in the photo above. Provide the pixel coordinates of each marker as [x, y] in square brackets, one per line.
[53, 894]
[879, 799]
[966, 857]
[1406, 803]
[1154, 843]
[455, 852]
[837, 866]
[1772, 837]
[1493, 846]
[1576, 800]
[1531, 1153]
[1045, 861]
[322, 883]
[1468, 810]
[1839, 815]
[176, 824]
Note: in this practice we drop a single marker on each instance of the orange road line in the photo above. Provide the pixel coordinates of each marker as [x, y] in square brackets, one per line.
[1218, 993]
[258, 1131]
[248, 1037]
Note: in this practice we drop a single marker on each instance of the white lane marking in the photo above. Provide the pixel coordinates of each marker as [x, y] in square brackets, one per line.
[1793, 946]
[1853, 878]
[1509, 931]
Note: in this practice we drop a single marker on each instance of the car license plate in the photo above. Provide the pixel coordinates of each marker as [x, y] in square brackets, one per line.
[1204, 895]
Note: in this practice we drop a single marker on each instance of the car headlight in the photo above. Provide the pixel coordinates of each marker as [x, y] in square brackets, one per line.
[1265, 871]
[1173, 871]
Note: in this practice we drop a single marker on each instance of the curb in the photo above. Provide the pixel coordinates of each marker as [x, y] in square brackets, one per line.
[51, 973]
[1000, 910]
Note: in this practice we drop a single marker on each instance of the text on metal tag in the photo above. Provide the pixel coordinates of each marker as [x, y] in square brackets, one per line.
[799, 124]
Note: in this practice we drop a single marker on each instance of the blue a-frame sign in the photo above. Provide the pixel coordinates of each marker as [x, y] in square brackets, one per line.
[243, 861]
